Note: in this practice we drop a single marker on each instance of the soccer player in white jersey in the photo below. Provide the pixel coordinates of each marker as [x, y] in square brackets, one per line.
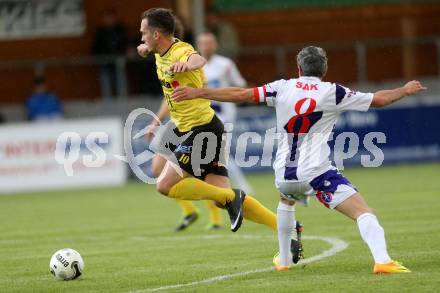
[307, 109]
[221, 71]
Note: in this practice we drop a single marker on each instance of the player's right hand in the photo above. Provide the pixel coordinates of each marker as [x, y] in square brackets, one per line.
[142, 50]
[413, 87]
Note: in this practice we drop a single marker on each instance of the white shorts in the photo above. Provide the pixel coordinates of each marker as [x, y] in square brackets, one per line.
[330, 188]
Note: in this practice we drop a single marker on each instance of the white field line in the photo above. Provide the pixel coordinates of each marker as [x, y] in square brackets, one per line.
[338, 245]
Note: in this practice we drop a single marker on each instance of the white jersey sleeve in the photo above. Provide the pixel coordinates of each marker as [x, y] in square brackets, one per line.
[267, 94]
[234, 76]
[347, 99]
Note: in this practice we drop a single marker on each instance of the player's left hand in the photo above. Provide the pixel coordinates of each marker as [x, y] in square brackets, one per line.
[184, 93]
[179, 67]
[413, 87]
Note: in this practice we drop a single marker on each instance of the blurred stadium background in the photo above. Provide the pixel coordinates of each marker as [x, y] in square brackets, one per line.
[80, 56]
[58, 50]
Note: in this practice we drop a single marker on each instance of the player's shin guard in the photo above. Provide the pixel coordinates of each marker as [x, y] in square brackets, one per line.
[254, 211]
[286, 225]
[373, 234]
[196, 189]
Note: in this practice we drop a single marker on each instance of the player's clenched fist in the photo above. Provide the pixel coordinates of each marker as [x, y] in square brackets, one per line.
[179, 67]
[413, 87]
[142, 50]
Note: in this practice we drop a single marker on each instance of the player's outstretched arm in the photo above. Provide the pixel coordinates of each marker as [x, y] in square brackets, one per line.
[195, 61]
[228, 94]
[386, 97]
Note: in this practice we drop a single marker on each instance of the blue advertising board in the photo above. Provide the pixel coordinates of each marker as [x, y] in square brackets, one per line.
[407, 134]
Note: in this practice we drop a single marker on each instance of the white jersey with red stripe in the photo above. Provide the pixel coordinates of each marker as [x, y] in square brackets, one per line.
[220, 72]
[307, 110]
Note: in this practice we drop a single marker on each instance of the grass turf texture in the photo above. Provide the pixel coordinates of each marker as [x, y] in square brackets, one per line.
[126, 238]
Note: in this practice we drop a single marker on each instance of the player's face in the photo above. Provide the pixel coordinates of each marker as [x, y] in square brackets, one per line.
[148, 37]
[207, 45]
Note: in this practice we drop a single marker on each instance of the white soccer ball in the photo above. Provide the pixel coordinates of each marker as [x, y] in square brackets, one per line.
[66, 264]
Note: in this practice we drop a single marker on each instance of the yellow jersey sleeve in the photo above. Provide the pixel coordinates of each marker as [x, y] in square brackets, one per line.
[185, 52]
[189, 113]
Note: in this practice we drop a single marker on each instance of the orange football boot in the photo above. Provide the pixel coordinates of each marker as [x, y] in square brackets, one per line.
[390, 268]
[276, 263]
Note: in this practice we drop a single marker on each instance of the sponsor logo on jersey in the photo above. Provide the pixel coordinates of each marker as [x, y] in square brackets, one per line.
[186, 149]
[165, 84]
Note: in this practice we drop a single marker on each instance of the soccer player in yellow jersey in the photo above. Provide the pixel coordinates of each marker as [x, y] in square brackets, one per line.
[178, 64]
[189, 210]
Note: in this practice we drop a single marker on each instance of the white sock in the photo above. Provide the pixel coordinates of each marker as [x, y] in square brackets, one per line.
[286, 224]
[373, 234]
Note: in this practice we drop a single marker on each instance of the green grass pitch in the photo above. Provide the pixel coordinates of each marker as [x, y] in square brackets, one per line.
[126, 238]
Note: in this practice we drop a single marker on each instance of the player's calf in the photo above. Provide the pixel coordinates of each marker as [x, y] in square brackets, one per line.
[286, 229]
[371, 231]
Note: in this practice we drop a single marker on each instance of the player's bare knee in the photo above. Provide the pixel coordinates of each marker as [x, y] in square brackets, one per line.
[163, 187]
[363, 207]
[360, 211]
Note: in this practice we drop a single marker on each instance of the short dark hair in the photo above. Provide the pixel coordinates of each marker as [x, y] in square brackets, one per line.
[162, 19]
[312, 61]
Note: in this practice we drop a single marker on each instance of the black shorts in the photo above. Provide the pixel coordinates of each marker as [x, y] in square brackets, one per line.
[202, 150]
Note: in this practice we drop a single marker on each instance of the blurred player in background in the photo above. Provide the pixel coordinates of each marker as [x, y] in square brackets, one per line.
[224, 31]
[307, 109]
[221, 71]
[179, 65]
